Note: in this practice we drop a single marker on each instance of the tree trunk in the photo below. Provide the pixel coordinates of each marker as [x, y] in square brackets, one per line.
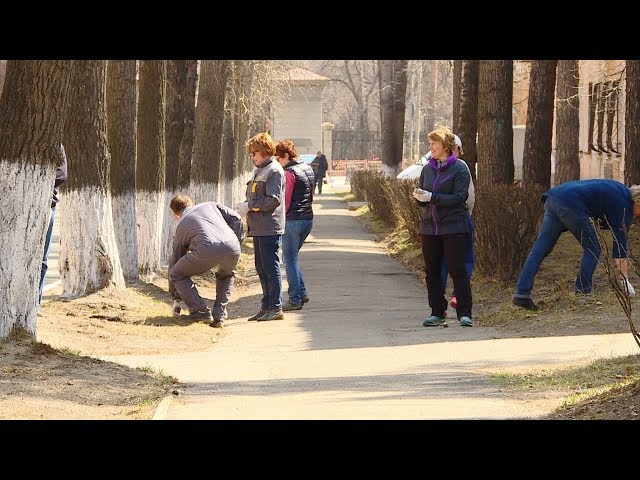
[495, 130]
[632, 124]
[536, 159]
[469, 114]
[205, 173]
[567, 122]
[230, 137]
[392, 75]
[416, 147]
[121, 127]
[32, 111]
[431, 87]
[180, 120]
[457, 92]
[88, 252]
[151, 165]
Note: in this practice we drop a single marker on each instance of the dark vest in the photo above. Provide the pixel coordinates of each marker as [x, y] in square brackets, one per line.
[302, 197]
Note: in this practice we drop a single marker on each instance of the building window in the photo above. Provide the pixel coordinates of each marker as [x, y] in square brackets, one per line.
[604, 111]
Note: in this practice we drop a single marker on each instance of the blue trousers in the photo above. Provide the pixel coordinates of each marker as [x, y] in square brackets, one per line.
[559, 218]
[45, 257]
[294, 236]
[268, 268]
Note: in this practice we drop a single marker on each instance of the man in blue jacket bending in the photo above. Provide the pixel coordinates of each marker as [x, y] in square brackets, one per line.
[571, 206]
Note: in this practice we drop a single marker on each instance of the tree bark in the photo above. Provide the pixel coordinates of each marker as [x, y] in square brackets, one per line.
[536, 160]
[632, 124]
[392, 75]
[151, 165]
[121, 127]
[469, 114]
[88, 249]
[457, 92]
[567, 122]
[32, 109]
[205, 172]
[495, 129]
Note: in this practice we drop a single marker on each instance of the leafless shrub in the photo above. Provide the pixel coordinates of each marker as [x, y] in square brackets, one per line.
[507, 218]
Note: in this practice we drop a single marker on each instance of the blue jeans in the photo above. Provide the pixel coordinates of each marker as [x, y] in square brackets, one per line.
[47, 247]
[559, 218]
[295, 234]
[268, 267]
[469, 258]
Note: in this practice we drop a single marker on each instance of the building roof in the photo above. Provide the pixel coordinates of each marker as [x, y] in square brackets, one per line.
[303, 75]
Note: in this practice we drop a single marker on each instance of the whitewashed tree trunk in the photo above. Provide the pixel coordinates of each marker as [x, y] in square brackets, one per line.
[168, 228]
[32, 112]
[25, 206]
[203, 192]
[89, 258]
[126, 232]
[149, 206]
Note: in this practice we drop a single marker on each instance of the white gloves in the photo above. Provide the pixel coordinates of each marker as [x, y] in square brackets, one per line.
[242, 208]
[177, 307]
[628, 287]
[421, 195]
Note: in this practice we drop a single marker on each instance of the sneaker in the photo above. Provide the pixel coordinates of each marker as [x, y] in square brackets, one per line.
[271, 315]
[217, 324]
[304, 299]
[291, 306]
[204, 314]
[453, 302]
[466, 321]
[176, 307]
[261, 312]
[524, 303]
[433, 321]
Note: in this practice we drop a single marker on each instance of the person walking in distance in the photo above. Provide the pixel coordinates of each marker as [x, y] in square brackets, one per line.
[320, 167]
[61, 177]
[207, 234]
[264, 209]
[299, 186]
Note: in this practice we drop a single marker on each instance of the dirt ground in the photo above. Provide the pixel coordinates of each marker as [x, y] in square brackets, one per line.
[60, 376]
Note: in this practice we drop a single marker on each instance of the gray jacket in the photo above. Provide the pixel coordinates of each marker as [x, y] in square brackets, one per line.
[265, 196]
[208, 230]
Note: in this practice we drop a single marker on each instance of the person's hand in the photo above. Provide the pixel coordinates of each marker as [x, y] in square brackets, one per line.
[421, 195]
[242, 208]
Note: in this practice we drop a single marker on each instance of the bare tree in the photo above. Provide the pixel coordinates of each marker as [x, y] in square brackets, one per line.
[431, 93]
[392, 75]
[88, 248]
[457, 91]
[151, 164]
[495, 131]
[632, 124]
[567, 122]
[205, 171]
[31, 120]
[469, 113]
[536, 160]
[121, 127]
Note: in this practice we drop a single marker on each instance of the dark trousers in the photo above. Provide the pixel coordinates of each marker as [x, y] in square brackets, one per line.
[319, 181]
[453, 247]
[268, 268]
[45, 257]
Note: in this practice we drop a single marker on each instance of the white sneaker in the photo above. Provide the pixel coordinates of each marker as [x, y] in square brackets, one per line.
[176, 308]
[626, 284]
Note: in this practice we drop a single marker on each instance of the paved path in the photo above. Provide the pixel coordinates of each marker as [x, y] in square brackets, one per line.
[52, 279]
[358, 349]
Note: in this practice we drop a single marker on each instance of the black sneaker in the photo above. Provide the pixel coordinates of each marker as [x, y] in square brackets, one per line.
[204, 314]
[524, 303]
[261, 312]
[217, 323]
[304, 299]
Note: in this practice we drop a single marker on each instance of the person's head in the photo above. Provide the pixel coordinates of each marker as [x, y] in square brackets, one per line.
[260, 146]
[179, 203]
[285, 151]
[457, 151]
[635, 196]
[441, 143]
[319, 153]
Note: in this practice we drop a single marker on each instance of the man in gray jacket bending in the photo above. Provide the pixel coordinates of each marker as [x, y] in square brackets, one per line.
[207, 234]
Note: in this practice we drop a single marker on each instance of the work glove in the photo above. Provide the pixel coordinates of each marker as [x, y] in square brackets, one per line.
[626, 285]
[421, 195]
[176, 308]
[242, 208]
